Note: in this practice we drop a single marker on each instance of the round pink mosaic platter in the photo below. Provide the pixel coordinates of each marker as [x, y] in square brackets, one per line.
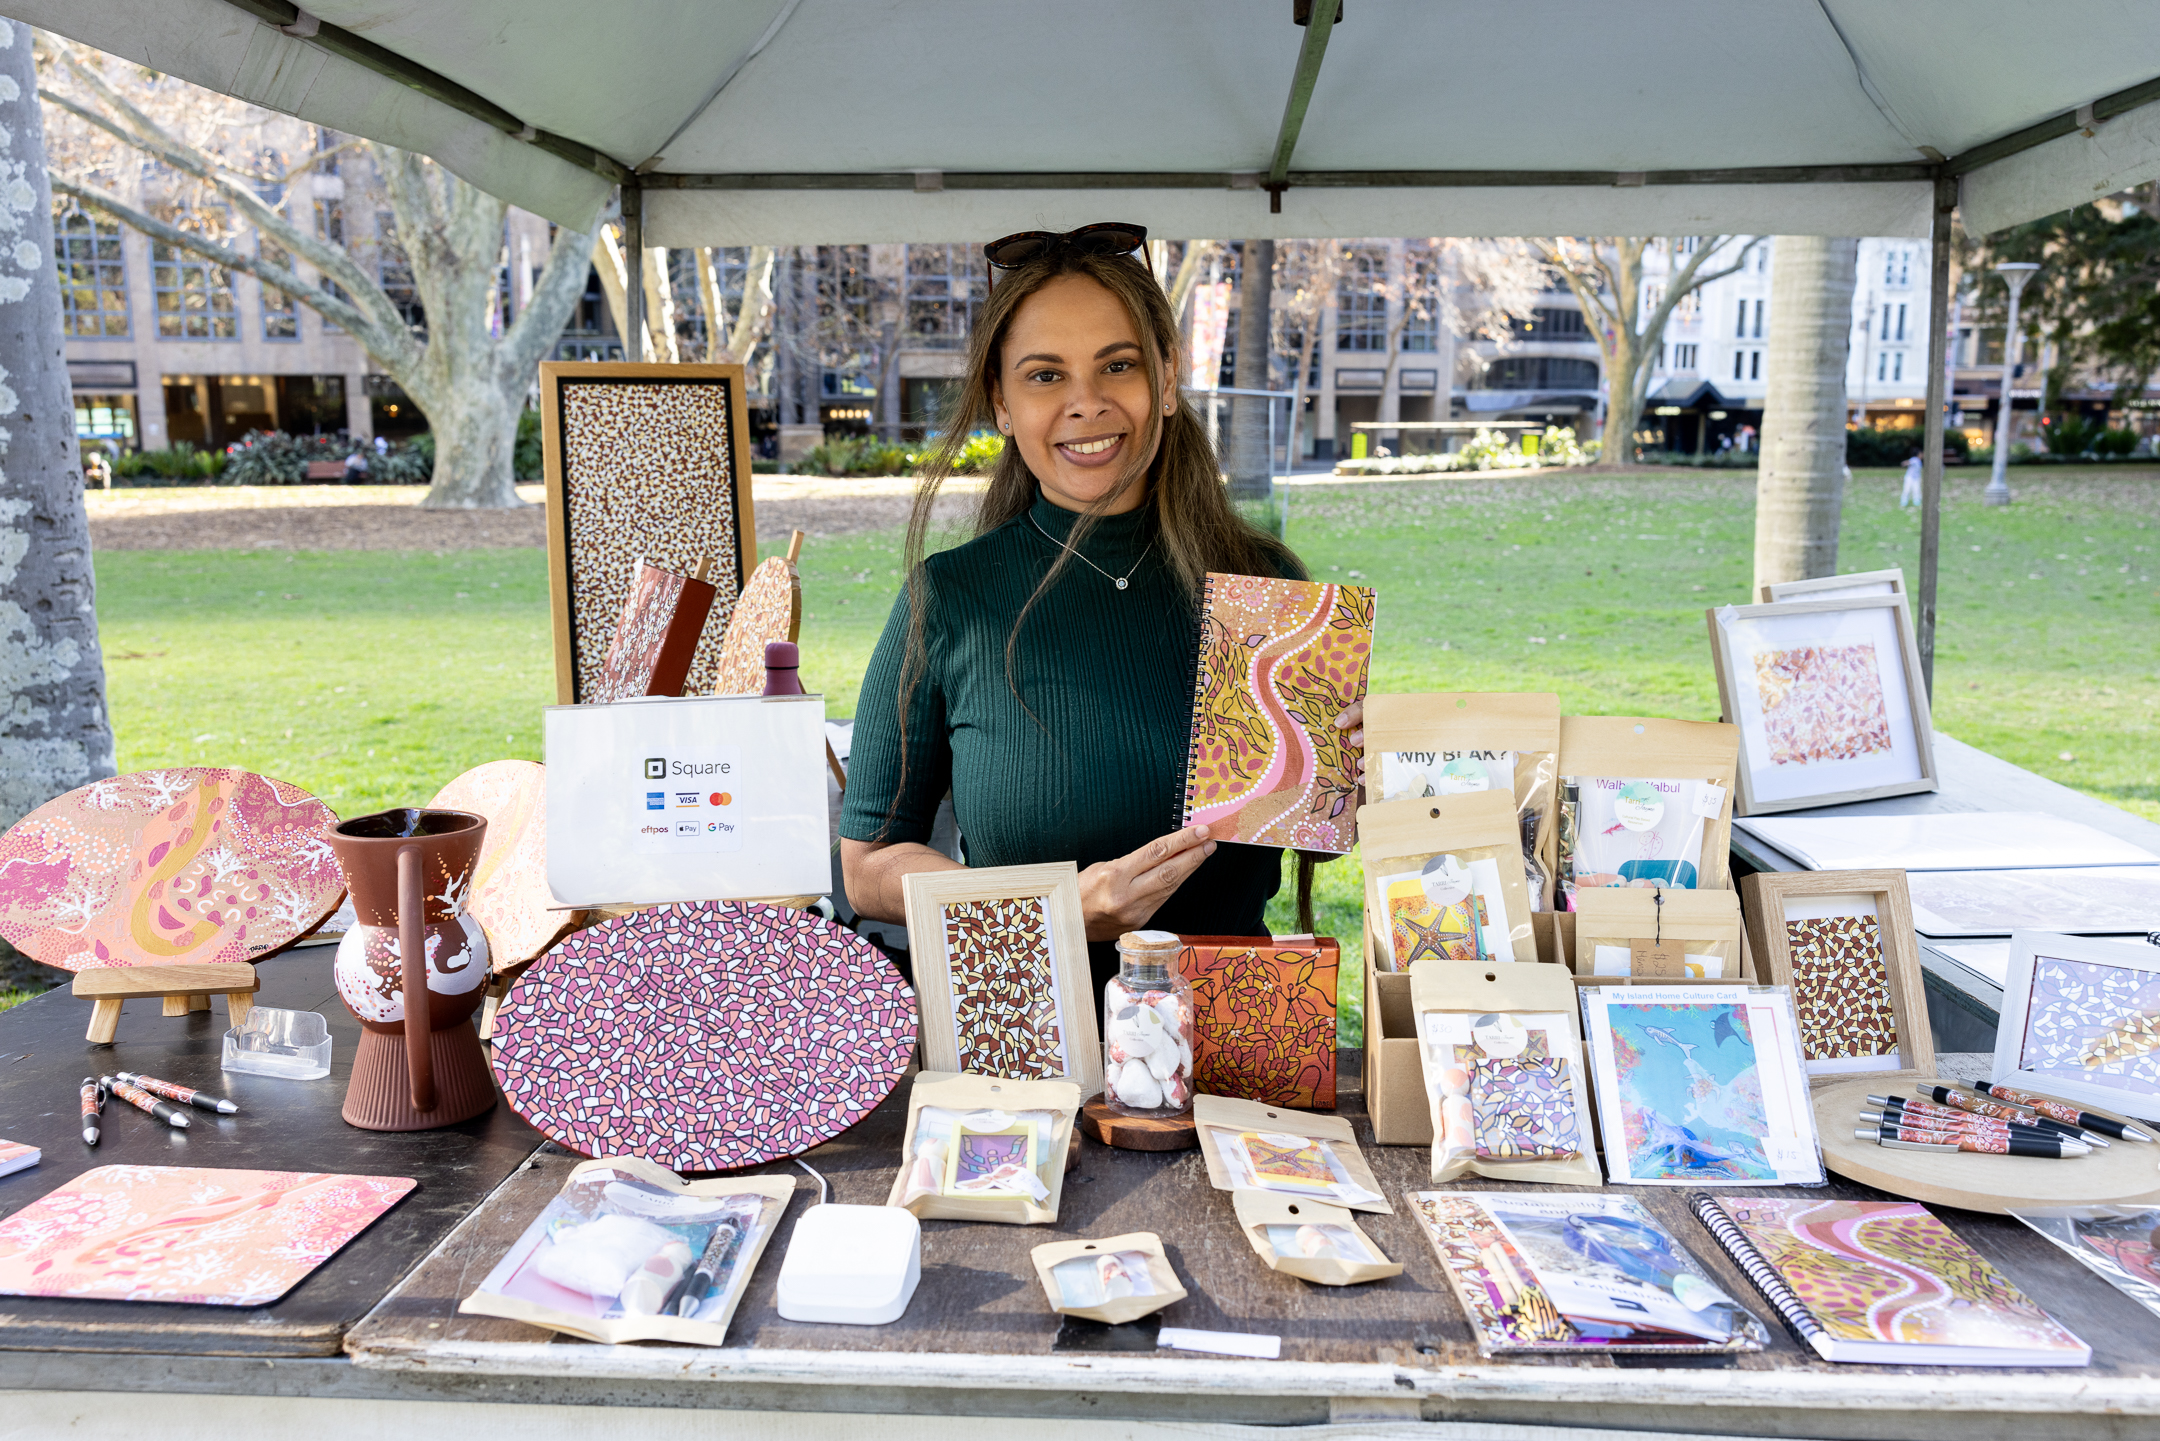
[704, 1036]
[187, 866]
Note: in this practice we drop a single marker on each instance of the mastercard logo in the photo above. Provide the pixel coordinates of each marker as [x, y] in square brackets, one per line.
[721, 798]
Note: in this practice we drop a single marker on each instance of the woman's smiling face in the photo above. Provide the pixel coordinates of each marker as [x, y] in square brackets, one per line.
[1073, 395]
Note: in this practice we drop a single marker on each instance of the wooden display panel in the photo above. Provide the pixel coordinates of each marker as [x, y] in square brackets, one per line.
[641, 460]
[1763, 905]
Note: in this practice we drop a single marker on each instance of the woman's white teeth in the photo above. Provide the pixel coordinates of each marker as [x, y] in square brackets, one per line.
[1092, 447]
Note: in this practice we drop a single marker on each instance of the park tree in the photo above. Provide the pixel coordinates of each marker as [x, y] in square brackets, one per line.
[1800, 483]
[1627, 310]
[55, 733]
[468, 373]
[1306, 275]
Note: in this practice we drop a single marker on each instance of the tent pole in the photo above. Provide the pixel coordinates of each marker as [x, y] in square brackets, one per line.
[1946, 195]
[633, 224]
[1319, 25]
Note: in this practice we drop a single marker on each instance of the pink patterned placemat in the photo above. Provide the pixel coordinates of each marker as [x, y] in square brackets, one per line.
[189, 866]
[704, 1036]
[510, 894]
[186, 1233]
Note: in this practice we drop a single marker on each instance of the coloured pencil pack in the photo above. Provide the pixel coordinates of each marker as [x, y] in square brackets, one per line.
[630, 1251]
[1643, 801]
[1250, 1146]
[1444, 880]
[1626, 933]
[1569, 1274]
[1310, 1240]
[1114, 1280]
[982, 1148]
[1504, 1073]
[1439, 745]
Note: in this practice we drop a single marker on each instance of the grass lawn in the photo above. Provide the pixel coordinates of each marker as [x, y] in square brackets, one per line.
[373, 677]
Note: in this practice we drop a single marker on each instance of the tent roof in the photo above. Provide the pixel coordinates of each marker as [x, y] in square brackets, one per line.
[802, 121]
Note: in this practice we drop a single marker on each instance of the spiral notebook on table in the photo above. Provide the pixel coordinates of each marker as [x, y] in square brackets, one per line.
[1279, 660]
[1883, 1282]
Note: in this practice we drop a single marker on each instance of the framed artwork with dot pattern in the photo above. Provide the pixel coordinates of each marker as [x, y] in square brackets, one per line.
[1001, 973]
[1843, 941]
[641, 461]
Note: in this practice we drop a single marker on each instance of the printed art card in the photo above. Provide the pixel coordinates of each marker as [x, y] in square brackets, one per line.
[1450, 909]
[2121, 1243]
[1279, 660]
[1700, 1085]
[2081, 1021]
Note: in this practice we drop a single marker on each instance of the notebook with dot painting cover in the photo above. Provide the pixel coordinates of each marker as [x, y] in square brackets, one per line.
[1884, 1282]
[1279, 660]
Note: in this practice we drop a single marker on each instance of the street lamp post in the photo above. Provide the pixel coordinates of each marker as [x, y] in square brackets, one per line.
[2014, 273]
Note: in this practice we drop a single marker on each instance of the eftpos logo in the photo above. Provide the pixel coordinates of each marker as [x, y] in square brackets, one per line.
[655, 768]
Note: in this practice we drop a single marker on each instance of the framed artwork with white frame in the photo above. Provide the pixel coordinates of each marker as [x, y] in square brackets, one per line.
[1837, 587]
[2081, 1022]
[1828, 698]
[1843, 941]
[1001, 973]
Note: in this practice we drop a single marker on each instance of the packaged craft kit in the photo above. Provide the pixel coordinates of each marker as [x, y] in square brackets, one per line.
[1572, 1010]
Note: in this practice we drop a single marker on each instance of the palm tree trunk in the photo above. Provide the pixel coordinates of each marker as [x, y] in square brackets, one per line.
[1251, 462]
[1800, 488]
[55, 733]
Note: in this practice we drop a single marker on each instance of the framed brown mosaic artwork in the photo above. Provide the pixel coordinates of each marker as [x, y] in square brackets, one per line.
[1843, 941]
[641, 461]
[1001, 973]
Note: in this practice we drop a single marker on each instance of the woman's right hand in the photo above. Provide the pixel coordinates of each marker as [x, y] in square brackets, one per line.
[1124, 894]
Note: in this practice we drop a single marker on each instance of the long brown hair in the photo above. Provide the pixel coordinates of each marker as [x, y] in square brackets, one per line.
[1194, 523]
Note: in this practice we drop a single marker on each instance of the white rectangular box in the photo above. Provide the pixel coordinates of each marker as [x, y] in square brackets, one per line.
[687, 799]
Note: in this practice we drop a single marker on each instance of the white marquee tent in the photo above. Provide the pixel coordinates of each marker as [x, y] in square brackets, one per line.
[813, 121]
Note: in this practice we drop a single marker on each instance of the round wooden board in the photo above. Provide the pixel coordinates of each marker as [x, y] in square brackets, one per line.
[1137, 1133]
[2125, 1172]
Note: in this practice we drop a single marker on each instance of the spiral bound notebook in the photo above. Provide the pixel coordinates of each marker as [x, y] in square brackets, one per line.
[1883, 1282]
[1279, 660]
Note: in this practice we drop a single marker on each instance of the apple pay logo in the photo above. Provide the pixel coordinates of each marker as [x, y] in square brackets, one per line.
[655, 768]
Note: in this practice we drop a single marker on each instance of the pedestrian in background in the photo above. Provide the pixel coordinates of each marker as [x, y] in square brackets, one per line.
[1910, 495]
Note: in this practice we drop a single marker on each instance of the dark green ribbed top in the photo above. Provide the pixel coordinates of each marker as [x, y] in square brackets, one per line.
[1109, 676]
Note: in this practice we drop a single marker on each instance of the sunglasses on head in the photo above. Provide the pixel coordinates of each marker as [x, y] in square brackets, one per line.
[1107, 237]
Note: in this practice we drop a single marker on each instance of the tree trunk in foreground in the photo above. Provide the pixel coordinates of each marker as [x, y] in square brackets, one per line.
[55, 733]
[1800, 488]
[1250, 461]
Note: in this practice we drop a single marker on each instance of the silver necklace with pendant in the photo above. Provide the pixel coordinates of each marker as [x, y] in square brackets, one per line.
[1117, 580]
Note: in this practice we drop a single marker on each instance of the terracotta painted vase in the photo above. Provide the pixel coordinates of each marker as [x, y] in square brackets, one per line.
[412, 970]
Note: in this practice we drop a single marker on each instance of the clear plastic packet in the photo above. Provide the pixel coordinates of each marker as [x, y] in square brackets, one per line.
[1250, 1146]
[1450, 744]
[629, 1251]
[1504, 1074]
[981, 1148]
[1114, 1280]
[1444, 881]
[1310, 1240]
[1642, 801]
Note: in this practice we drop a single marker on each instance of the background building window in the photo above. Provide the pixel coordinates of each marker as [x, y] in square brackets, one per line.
[1541, 372]
[93, 276]
[193, 296]
[330, 226]
[1361, 303]
[281, 313]
[393, 272]
[1549, 324]
[1421, 327]
[1684, 357]
[940, 296]
[1900, 322]
[1754, 369]
[1897, 366]
[1758, 318]
[1739, 365]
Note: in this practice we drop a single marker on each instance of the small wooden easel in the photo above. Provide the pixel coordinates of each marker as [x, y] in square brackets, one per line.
[183, 988]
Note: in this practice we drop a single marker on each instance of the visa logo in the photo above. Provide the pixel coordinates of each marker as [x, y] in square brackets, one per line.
[686, 798]
[656, 800]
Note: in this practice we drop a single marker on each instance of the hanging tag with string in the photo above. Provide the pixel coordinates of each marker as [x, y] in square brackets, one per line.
[1658, 958]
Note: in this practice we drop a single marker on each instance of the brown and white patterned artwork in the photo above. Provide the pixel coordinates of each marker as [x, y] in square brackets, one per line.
[1841, 988]
[648, 469]
[770, 609]
[656, 636]
[1004, 988]
[1822, 703]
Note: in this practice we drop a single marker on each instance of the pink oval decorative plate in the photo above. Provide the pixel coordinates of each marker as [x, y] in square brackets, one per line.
[704, 1036]
[510, 895]
[187, 866]
[770, 608]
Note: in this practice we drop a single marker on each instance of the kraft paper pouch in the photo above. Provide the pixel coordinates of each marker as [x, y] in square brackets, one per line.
[1115, 1280]
[1644, 801]
[983, 1148]
[1681, 935]
[1310, 1240]
[1297, 1153]
[1449, 744]
[1444, 878]
[627, 1247]
[1504, 1074]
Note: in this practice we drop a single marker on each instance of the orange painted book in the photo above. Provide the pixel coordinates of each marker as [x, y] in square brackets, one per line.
[1264, 1017]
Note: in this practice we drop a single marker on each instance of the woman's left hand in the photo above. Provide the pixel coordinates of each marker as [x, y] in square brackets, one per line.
[1352, 720]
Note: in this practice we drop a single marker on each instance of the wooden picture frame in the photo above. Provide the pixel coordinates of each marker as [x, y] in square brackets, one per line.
[645, 461]
[2127, 1041]
[1837, 587]
[1894, 758]
[1768, 901]
[1039, 929]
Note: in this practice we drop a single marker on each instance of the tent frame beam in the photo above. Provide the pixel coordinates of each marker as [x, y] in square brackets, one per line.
[1931, 473]
[1315, 179]
[1319, 25]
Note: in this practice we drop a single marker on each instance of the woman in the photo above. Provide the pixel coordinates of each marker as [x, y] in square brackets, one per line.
[1044, 670]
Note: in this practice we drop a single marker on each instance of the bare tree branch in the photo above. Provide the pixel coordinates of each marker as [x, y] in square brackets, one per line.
[757, 304]
[526, 344]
